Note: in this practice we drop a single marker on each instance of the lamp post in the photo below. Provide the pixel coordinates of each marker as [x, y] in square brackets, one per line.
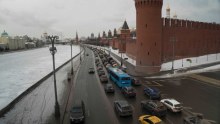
[108, 48]
[53, 50]
[80, 52]
[121, 60]
[71, 56]
[173, 40]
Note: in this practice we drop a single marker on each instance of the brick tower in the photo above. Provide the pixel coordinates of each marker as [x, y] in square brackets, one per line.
[149, 35]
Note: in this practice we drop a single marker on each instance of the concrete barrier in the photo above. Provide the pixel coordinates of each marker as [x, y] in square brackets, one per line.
[17, 99]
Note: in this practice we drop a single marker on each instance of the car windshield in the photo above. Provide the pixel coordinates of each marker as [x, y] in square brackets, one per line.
[130, 89]
[126, 108]
[76, 110]
[178, 105]
[126, 78]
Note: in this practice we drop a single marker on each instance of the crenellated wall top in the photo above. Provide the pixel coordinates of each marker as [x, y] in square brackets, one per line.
[169, 22]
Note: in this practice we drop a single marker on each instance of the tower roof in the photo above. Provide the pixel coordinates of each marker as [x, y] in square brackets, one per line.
[125, 25]
[4, 34]
[168, 6]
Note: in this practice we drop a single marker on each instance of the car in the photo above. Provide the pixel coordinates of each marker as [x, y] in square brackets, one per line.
[97, 63]
[103, 79]
[149, 119]
[77, 112]
[124, 69]
[100, 72]
[109, 88]
[154, 107]
[115, 65]
[108, 65]
[172, 105]
[135, 82]
[128, 91]
[105, 63]
[123, 108]
[91, 70]
[195, 119]
[153, 93]
[99, 68]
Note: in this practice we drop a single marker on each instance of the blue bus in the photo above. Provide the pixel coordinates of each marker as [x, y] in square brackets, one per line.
[121, 78]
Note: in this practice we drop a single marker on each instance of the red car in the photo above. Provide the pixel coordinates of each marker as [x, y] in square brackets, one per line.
[128, 91]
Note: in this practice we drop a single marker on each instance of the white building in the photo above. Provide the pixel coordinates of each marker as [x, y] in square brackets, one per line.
[11, 43]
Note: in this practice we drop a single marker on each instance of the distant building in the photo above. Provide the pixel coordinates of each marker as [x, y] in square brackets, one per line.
[11, 43]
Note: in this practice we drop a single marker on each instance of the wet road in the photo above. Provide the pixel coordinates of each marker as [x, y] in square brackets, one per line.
[196, 97]
[215, 75]
[37, 107]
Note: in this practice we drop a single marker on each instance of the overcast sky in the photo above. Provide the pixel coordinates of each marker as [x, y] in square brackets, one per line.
[65, 17]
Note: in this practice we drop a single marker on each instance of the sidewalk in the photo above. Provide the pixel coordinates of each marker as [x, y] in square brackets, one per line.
[131, 68]
[205, 79]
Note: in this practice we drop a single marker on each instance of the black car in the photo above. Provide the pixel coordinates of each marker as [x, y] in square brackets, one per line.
[91, 70]
[77, 113]
[154, 107]
[103, 79]
[100, 72]
[109, 88]
[123, 108]
[196, 119]
[135, 82]
[128, 91]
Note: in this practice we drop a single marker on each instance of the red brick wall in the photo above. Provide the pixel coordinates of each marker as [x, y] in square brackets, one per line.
[131, 49]
[193, 38]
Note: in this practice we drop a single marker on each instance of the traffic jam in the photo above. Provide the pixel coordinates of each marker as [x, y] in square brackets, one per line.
[156, 106]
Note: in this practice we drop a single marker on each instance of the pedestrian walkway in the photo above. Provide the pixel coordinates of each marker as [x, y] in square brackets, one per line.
[205, 79]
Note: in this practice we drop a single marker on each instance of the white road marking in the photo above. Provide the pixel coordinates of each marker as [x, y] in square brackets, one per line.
[157, 83]
[152, 83]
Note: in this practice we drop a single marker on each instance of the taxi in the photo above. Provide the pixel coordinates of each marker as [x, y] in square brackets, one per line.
[149, 119]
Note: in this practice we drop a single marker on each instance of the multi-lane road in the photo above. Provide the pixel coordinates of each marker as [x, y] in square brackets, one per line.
[196, 97]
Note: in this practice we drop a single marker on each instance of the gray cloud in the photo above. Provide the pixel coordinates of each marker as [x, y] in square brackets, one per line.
[87, 16]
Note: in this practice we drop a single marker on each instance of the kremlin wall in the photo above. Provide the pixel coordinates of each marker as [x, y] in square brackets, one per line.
[157, 40]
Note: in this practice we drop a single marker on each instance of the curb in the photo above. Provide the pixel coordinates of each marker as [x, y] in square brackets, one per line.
[31, 88]
[206, 80]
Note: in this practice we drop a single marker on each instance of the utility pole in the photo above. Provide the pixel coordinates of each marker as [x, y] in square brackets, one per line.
[53, 50]
[71, 56]
[80, 52]
[173, 40]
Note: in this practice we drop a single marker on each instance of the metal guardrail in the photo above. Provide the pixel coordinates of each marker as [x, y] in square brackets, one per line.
[18, 98]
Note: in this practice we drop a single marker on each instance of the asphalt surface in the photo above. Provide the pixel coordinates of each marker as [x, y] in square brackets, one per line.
[215, 75]
[195, 96]
[88, 88]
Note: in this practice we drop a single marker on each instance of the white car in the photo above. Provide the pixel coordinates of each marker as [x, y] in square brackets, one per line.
[172, 105]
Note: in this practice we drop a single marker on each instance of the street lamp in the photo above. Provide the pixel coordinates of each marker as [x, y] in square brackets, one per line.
[108, 48]
[80, 52]
[173, 40]
[53, 50]
[71, 56]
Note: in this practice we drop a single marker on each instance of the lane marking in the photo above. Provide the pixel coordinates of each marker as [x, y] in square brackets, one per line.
[158, 83]
[206, 80]
[152, 83]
